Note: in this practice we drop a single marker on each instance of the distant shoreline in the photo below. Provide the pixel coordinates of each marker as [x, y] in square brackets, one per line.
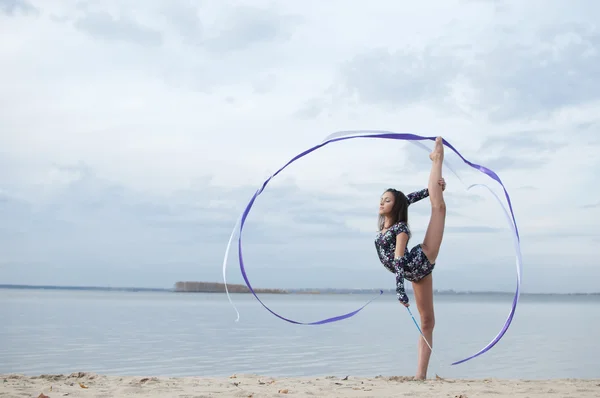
[303, 291]
[215, 287]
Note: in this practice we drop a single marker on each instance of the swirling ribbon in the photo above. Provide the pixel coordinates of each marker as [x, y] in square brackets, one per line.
[346, 135]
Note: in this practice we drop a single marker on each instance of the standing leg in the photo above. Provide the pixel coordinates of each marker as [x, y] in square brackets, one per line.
[423, 291]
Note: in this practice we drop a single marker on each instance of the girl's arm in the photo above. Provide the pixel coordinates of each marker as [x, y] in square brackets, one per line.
[399, 263]
[414, 197]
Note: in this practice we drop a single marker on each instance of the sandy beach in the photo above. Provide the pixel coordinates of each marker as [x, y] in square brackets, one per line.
[92, 385]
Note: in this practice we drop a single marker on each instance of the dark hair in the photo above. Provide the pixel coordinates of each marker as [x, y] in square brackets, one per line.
[399, 211]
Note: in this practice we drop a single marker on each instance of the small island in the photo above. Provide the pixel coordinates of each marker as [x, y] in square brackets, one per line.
[214, 287]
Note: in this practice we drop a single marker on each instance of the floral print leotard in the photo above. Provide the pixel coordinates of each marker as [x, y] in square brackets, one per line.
[413, 265]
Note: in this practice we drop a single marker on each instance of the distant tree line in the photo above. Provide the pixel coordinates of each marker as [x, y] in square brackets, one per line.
[213, 287]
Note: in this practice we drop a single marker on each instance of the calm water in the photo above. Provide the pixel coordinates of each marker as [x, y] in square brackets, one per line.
[196, 334]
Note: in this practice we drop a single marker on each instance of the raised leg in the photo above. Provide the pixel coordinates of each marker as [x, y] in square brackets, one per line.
[423, 291]
[437, 220]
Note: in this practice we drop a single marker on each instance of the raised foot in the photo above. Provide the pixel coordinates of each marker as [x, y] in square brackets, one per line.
[438, 150]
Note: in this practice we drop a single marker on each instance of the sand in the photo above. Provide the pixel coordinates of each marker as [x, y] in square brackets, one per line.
[92, 385]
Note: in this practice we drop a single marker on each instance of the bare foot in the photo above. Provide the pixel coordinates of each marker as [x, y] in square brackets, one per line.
[438, 150]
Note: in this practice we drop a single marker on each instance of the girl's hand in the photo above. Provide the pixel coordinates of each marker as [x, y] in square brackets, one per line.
[442, 182]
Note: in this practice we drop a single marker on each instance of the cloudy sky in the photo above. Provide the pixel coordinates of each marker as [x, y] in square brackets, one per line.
[132, 135]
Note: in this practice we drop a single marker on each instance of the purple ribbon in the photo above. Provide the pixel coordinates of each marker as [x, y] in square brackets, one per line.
[392, 136]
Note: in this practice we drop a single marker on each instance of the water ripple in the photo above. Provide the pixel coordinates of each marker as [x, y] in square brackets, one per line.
[182, 335]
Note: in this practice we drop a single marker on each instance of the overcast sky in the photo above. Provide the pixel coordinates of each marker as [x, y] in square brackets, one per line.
[132, 135]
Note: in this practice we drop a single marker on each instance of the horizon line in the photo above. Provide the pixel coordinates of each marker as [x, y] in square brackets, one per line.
[308, 290]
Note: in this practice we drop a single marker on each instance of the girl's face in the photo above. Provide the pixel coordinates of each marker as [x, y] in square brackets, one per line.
[386, 203]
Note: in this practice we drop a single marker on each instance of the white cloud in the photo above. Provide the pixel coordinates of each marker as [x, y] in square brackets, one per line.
[131, 137]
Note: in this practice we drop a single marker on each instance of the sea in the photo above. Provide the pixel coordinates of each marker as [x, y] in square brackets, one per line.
[163, 333]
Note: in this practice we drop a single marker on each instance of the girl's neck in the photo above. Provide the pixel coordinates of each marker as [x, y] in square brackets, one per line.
[387, 222]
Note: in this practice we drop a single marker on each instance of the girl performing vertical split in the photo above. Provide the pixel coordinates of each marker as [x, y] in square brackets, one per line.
[417, 264]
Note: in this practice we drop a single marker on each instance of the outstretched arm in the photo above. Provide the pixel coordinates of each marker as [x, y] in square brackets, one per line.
[414, 197]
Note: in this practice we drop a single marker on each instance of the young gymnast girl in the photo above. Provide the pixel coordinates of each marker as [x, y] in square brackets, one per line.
[417, 264]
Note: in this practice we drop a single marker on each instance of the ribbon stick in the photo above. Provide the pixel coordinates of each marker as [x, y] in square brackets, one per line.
[346, 135]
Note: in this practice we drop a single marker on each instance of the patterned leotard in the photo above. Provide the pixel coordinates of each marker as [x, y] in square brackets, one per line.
[413, 265]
